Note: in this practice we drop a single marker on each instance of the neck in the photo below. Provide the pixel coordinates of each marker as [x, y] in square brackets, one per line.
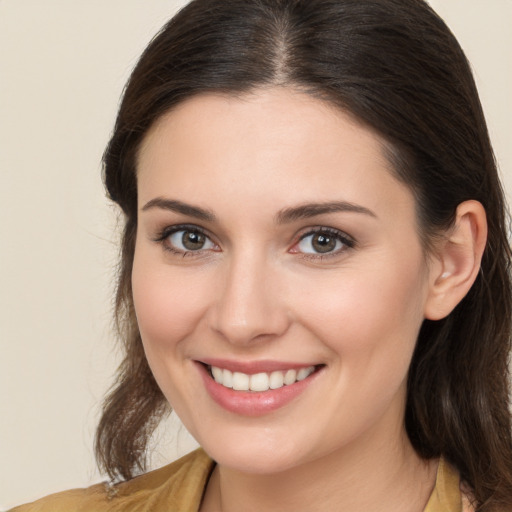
[385, 476]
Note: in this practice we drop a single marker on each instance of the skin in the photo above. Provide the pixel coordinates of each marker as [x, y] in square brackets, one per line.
[257, 292]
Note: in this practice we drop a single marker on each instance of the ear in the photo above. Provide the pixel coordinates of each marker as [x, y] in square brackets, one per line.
[456, 261]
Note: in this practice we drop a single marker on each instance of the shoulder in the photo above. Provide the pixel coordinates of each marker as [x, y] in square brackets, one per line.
[178, 484]
[66, 501]
[449, 493]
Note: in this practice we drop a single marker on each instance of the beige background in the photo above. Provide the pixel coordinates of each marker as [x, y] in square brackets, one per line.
[63, 64]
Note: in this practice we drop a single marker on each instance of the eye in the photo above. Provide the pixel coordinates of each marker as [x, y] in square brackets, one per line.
[184, 240]
[187, 240]
[323, 241]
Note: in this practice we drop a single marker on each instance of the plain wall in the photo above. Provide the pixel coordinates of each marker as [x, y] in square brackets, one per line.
[63, 64]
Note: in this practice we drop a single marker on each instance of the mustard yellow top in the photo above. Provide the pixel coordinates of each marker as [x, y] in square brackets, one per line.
[179, 487]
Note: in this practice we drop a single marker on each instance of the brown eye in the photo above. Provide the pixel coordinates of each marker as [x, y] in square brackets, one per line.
[324, 242]
[193, 241]
[185, 240]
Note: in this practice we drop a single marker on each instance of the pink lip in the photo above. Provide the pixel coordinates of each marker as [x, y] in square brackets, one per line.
[252, 367]
[250, 403]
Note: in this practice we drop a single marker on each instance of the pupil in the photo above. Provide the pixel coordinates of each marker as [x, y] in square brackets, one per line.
[193, 241]
[324, 243]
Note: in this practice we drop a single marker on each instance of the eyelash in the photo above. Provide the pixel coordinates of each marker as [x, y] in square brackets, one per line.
[164, 235]
[346, 241]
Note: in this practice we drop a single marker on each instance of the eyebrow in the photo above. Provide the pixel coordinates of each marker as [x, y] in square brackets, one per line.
[285, 216]
[179, 207]
[308, 210]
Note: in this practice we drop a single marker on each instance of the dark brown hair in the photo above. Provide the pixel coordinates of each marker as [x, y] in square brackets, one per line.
[397, 68]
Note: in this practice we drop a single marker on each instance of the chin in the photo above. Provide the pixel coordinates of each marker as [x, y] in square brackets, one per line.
[261, 453]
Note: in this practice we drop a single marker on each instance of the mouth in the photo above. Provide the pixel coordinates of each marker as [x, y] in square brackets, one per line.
[261, 381]
[256, 388]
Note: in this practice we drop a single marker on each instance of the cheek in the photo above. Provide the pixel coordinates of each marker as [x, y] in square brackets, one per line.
[363, 314]
[166, 309]
[370, 325]
[168, 306]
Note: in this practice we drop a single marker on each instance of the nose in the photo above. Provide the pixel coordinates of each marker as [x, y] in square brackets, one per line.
[249, 305]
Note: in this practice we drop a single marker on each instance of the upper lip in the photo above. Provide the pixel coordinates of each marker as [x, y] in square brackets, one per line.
[252, 367]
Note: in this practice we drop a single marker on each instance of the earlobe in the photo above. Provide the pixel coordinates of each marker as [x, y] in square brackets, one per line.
[457, 260]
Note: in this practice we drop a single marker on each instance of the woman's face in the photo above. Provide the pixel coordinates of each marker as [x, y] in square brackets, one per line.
[274, 244]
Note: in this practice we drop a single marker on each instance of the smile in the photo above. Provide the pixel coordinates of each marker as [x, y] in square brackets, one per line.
[259, 382]
[256, 388]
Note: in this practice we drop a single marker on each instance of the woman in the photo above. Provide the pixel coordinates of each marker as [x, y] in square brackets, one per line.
[315, 270]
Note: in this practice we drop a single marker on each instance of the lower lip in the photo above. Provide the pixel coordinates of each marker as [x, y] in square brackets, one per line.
[251, 403]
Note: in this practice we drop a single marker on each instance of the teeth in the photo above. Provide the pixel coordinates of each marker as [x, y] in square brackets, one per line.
[217, 374]
[303, 373]
[240, 381]
[227, 378]
[276, 380]
[259, 381]
[290, 377]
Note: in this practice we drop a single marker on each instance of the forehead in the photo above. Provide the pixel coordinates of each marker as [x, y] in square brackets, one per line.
[271, 146]
[271, 116]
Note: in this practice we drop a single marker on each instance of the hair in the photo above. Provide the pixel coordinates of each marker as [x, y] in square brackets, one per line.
[396, 67]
